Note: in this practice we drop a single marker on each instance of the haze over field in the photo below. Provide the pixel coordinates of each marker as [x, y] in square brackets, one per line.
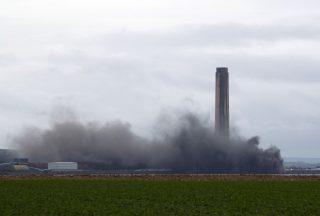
[131, 60]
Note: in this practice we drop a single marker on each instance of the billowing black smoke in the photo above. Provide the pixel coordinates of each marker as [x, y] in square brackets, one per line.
[187, 144]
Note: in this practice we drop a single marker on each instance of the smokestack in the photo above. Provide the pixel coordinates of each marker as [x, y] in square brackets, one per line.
[222, 102]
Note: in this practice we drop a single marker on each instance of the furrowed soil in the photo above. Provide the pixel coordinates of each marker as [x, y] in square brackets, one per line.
[160, 195]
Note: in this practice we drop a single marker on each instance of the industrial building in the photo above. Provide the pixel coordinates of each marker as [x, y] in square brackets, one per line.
[60, 166]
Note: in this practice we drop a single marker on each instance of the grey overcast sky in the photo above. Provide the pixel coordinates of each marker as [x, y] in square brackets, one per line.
[133, 59]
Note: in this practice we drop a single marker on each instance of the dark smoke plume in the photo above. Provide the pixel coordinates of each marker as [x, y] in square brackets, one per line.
[187, 144]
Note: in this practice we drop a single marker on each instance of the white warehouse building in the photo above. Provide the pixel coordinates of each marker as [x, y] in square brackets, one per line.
[62, 166]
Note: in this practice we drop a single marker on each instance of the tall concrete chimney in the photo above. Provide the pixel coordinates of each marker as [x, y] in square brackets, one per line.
[222, 102]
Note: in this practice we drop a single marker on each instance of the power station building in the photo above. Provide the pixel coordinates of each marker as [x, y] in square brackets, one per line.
[222, 102]
[63, 166]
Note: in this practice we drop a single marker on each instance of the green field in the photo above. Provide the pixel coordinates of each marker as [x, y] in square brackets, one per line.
[125, 196]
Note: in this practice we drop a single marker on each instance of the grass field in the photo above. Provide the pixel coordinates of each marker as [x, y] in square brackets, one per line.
[159, 196]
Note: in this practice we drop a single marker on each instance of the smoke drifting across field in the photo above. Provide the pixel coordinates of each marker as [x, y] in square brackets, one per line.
[186, 143]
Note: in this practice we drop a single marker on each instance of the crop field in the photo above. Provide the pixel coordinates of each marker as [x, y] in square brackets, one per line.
[173, 195]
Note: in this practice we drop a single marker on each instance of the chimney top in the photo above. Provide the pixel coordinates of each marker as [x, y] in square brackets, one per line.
[222, 69]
